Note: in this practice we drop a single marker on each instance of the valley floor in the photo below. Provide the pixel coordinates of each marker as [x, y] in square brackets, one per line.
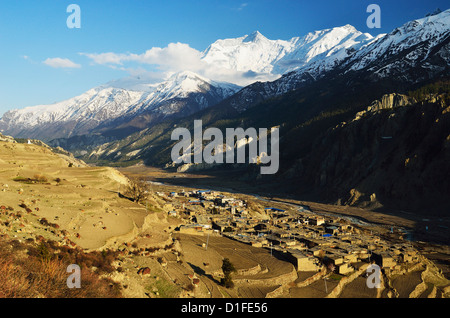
[301, 284]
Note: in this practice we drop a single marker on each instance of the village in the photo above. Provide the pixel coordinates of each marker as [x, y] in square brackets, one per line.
[173, 242]
[298, 235]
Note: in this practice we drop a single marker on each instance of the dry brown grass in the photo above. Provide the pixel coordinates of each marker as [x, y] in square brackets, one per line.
[28, 271]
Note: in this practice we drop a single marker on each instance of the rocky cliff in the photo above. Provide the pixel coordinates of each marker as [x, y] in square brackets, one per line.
[394, 153]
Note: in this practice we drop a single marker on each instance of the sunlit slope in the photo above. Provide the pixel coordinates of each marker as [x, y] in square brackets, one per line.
[83, 200]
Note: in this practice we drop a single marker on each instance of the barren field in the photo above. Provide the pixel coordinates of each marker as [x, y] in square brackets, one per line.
[318, 289]
[358, 289]
[405, 284]
[82, 200]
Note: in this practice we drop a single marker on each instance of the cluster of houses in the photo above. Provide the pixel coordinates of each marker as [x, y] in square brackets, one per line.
[306, 239]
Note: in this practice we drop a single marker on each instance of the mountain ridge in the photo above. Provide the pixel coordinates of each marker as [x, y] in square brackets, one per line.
[128, 98]
[84, 113]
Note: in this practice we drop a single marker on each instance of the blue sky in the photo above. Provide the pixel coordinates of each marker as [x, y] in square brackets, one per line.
[40, 60]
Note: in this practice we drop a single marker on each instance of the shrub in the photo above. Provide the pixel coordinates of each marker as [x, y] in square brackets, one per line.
[138, 190]
[227, 268]
[37, 178]
[190, 287]
[227, 282]
[40, 178]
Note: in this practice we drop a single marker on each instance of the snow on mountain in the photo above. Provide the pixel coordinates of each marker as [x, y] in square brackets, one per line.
[183, 85]
[114, 100]
[302, 58]
[296, 61]
[252, 52]
[324, 49]
[417, 51]
[418, 39]
[256, 53]
[133, 95]
[99, 104]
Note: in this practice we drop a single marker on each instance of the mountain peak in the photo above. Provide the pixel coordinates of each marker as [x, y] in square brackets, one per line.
[185, 74]
[432, 25]
[347, 27]
[438, 15]
[254, 36]
[437, 11]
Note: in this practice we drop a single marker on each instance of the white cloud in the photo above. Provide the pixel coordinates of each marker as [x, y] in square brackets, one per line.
[106, 58]
[242, 6]
[58, 62]
[176, 57]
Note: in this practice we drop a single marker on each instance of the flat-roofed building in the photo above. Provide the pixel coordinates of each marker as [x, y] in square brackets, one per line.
[303, 262]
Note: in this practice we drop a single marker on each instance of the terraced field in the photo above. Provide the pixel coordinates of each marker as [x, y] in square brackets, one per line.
[358, 289]
[258, 273]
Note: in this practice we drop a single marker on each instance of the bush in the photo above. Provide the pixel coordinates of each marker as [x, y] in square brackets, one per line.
[227, 282]
[228, 269]
[138, 190]
[190, 287]
[40, 178]
[37, 178]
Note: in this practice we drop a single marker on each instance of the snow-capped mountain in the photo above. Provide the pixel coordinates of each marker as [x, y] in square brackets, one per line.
[183, 93]
[308, 57]
[415, 52]
[183, 85]
[258, 54]
[252, 52]
[100, 103]
[421, 44]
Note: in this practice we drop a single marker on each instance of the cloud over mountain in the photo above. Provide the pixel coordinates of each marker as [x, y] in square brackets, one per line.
[173, 58]
[243, 60]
